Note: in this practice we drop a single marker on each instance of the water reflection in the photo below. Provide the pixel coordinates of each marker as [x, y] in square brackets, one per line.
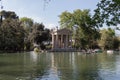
[59, 66]
[34, 56]
[74, 67]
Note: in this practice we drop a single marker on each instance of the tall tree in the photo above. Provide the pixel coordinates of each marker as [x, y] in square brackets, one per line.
[107, 38]
[108, 12]
[81, 23]
[66, 19]
[11, 32]
[12, 35]
[39, 34]
[27, 24]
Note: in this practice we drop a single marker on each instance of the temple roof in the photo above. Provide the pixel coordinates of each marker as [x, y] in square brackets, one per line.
[63, 31]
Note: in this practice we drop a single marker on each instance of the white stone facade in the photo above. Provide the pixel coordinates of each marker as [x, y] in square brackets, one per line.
[61, 39]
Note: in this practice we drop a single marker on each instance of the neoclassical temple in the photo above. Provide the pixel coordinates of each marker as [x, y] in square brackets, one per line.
[61, 38]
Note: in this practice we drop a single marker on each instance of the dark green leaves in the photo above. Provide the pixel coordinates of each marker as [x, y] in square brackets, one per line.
[108, 12]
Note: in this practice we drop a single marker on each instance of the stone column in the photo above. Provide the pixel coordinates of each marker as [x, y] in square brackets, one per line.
[53, 41]
[71, 40]
[56, 41]
[66, 41]
[63, 44]
[61, 41]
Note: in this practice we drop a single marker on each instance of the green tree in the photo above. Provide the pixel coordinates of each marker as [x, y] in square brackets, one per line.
[108, 11]
[66, 20]
[80, 21]
[107, 39]
[17, 34]
[11, 32]
[116, 42]
[12, 35]
[27, 24]
[8, 15]
[39, 34]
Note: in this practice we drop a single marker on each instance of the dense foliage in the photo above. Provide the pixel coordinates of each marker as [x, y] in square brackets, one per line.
[107, 39]
[108, 12]
[20, 34]
[86, 29]
[39, 34]
[82, 25]
[11, 36]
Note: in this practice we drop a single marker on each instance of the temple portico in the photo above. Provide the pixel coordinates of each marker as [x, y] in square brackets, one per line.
[61, 39]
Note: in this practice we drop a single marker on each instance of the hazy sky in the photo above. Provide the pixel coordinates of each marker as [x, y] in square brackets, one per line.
[49, 14]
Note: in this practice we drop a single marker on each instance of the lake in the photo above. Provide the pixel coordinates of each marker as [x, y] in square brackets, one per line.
[59, 66]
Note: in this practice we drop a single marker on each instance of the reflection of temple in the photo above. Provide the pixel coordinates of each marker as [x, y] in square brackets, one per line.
[61, 39]
[52, 72]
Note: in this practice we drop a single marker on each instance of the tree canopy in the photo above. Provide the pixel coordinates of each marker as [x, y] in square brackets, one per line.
[11, 36]
[39, 34]
[81, 18]
[108, 12]
[20, 34]
[107, 38]
[80, 21]
[26, 22]
[8, 15]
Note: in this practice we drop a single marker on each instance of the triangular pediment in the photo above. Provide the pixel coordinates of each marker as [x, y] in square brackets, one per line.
[63, 31]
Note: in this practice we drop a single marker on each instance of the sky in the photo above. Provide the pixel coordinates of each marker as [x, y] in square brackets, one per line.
[49, 14]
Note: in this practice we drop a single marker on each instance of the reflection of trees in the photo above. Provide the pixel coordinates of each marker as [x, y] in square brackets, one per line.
[88, 66]
[44, 67]
[66, 66]
[107, 61]
[107, 65]
[73, 66]
[39, 64]
[21, 66]
[77, 67]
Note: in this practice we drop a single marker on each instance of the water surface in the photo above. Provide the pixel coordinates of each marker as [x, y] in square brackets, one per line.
[59, 66]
